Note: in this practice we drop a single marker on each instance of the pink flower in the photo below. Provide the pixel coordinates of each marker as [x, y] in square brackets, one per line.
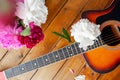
[21, 1]
[35, 37]
[8, 37]
[72, 71]
[7, 11]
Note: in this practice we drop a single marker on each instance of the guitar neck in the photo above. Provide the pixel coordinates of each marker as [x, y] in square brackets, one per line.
[52, 57]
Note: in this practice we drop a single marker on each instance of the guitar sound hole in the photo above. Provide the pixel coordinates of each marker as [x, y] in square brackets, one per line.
[111, 35]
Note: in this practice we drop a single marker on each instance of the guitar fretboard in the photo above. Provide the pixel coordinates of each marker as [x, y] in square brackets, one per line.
[52, 57]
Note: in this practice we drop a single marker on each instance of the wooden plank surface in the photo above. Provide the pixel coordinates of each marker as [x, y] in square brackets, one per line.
[62, 13]
[2, 53]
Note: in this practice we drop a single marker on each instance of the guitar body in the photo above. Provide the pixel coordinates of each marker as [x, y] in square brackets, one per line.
[103, 60]
[107, 57]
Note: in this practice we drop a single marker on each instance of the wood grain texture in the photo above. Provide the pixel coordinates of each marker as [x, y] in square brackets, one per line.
[62, 13]
[13, 58]
[114, 75]
[2, 53]
[54, 8]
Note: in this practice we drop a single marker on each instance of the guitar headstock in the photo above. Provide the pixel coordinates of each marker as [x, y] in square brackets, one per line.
[2, 76]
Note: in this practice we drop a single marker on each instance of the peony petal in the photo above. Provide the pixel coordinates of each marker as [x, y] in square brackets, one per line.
[8, 37]
[80, 77]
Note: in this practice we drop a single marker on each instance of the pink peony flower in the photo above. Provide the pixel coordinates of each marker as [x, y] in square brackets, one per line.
[8, 37]
[35, 37]
[7, 11]
[11, 28]
[21, 1]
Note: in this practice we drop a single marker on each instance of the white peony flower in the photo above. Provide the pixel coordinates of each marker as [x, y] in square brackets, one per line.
[80, 77]
[32, 11]
[85, 32]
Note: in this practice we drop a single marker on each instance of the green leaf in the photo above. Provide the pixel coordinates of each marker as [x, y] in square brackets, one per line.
[58, 34]
[26, 32]
[66, 34]
[21, 23]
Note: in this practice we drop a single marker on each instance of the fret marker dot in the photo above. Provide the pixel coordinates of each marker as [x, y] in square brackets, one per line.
[69, 47]
[46, 59]
[22, 68]
[35, 64]
[56, 55]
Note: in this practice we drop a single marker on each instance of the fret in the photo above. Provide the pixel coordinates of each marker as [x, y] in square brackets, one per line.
[96, 44]
[51, 57]
[16, 70]
[74, 49]
[100, 40]
[60, 52]
[70, 52]
[77, 47]
[28, 66]
[40, 61]
[100, 43]
[22, 68]
[9, 73]
[46, 60]
[86, 50]
[56, 56]
[89, 47]
[34, 64]
[82, 50]
[92, 46]
[65, 52]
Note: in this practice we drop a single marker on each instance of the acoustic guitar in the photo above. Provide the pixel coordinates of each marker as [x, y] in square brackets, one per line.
[103, 56]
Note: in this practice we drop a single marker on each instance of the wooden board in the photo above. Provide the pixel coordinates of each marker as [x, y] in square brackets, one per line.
[62, 13]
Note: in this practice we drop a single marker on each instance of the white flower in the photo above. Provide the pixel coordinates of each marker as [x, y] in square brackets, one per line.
[80, 77]
[32, 11]
[85, 32]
